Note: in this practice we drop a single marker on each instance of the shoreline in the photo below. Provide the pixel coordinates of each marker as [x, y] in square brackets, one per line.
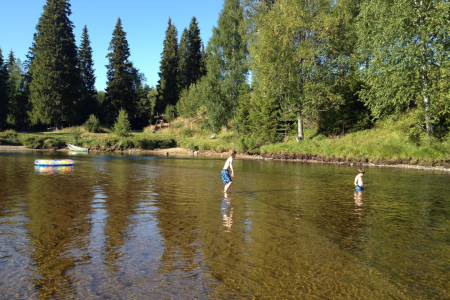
[303, 157]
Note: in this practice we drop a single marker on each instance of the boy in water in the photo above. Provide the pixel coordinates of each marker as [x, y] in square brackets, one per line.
[225, 174]
[359, 182]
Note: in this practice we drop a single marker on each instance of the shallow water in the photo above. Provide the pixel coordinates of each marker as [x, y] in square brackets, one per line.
[141, 227]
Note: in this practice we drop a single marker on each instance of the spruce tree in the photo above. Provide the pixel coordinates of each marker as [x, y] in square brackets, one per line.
[3, 91]
[194, 53]
[183, 73]
[16, 82]
[168, 71]
[56, 86]
[120, 92]
[88, 104]
[203, 62]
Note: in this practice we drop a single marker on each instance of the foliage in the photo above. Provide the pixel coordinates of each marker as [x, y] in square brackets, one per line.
[146, 102]
[404, 57]
[3, 91]
[75, 133]
[56, 84]
[122, 127]
[194, 54]
[89, 104]
[168, 70]
[227, 67]
[169, 113]
[92, 124]
[120, 92]
[192, 99]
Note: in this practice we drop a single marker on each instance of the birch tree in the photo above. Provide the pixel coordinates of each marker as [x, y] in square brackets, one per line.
[404, 56]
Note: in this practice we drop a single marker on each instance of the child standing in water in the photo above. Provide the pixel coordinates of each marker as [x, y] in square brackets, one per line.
[359, 182]
[225, 174]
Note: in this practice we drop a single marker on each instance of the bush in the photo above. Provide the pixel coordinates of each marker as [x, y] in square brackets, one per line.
[192, 146]
[177, 125]
[186, 132]
[167, 144]
[92, 124]
[122, 127]
[76, 133]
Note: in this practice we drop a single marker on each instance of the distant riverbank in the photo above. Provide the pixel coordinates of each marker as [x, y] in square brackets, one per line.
[305, 158]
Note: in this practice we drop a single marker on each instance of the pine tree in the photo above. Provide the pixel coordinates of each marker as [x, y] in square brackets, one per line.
[88, 104]
[120, 92]
[3, 91]
[168, 70]
[194, 53]
[56, 86]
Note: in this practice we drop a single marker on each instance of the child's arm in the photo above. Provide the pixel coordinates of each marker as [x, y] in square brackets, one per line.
[231, 167]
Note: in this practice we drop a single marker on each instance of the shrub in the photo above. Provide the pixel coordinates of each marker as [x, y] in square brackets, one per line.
[92, 124]
[76, 133]
[186, 132]
[122, 127]
[192, 146]
[167, 143]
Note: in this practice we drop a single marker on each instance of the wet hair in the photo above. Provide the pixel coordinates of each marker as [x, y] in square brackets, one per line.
[231, 152]
[361, 171]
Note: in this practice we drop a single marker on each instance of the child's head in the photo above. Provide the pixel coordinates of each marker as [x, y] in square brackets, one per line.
[232, 152]
[361, 171]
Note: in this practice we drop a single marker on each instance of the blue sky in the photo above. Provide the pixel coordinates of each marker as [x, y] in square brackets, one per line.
[145, 23]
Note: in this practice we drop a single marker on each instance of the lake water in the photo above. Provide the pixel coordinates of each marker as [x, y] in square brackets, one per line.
[142, 227]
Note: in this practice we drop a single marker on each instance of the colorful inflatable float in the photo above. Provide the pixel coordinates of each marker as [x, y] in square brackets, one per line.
[53, 162]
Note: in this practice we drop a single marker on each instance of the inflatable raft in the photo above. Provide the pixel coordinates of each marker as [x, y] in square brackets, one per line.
[53, 162]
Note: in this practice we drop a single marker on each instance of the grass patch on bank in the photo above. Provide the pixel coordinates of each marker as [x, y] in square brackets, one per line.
[381, 142]
[386, 141]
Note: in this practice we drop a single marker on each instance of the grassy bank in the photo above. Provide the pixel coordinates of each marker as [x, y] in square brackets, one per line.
[386, 141]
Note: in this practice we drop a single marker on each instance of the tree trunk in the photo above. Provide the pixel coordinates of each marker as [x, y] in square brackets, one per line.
[300, 127]
[427, 117]
[426, 101]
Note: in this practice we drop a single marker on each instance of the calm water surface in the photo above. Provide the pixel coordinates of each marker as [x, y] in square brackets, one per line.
[141, 227]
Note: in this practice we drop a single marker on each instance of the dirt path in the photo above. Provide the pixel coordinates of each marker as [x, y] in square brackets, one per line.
[11, 148]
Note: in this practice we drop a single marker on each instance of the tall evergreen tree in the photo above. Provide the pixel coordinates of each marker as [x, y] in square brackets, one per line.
[88, 105]
[183, 50]
[168, 70]
[17, 110]
[120, 92]
[227, 66]
[3, 91]
[194, 53]
[56, 86]
[203, 62]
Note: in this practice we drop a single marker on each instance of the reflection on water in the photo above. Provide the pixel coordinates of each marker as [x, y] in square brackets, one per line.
[53, 170]
[227, 212]
[124, 227]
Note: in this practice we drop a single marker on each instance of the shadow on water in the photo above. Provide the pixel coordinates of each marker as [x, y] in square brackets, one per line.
[131, 226]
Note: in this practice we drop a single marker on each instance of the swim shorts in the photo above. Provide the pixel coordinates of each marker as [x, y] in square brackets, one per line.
[359, 188]
[226, 176]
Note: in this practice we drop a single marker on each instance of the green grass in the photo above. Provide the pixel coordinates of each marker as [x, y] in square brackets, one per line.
[376, 143]
[387, 140]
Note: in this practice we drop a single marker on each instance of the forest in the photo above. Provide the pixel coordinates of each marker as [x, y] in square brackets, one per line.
[271, 69]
